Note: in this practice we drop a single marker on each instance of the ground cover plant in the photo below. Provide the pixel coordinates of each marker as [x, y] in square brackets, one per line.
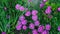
[29, 16]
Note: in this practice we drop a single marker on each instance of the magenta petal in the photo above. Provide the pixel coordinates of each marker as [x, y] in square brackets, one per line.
[34, 31]
[24, 22]
[34, 12]
[36, 23]
[41, 5]
[28, 13]
[17, 6]
[3, 32]
[22, 18]
[44, 0]
[21, 8]
[35, 17]
[45, 32]
[48, 10]
[58, 28]
[41, 28]
[18, 27]
[48, 27]
[24, 27]
[31, 26]
[59, 9]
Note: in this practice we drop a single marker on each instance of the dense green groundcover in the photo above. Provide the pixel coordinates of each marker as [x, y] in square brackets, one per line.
[8, 24]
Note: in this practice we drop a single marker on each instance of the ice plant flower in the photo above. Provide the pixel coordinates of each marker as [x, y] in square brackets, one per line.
[3, 32]
[17, 6]
[58, 28]
[48, 10]
[34, 12]
[44, 0]
[41, 28]
[31, 26]
[48, 27]
[37, 23]
[49, 7]
[34, 17]
[34, 31]
[18, 27]
[59, 9]
[24, 22]
[28, 13]
[21, 17]
[24, 27]
[41, 5]
[45, 32]
[21, 8]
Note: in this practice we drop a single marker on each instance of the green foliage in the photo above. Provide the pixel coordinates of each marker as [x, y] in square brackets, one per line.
[14, 15]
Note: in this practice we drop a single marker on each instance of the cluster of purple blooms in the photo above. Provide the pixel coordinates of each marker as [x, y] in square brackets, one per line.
[21, 24]
[19, 7]
[41, 29]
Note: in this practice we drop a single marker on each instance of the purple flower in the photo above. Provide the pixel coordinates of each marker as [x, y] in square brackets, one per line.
[41, 28]
[41, 5]
[34, 12]
[21, 8]
[28, 13]
[3, 32]
[24, 22]
[36, 23]
[31, 26]
[44, 0]
[58, 28]
[59, 9]
[48, 10]
[45, 32]
[34, 31]
[24, 27]
[34, 17]
[49, 7]
[48, 27]
[17, 6]
[21, 18]
[18, 27]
